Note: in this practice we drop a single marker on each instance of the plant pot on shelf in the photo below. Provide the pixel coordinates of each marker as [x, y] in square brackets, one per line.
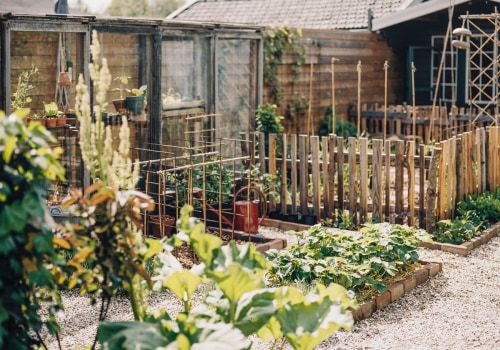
[61, 121]
[309, 219]
[161, 225]
[135, 104]
[51, 122]
[120, 105]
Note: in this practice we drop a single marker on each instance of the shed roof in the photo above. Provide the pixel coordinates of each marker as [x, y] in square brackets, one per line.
[27, 6]
[305, 14]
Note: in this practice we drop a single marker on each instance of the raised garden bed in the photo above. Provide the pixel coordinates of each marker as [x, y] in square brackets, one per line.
[262, 243]
[396, 290]
[464, 248]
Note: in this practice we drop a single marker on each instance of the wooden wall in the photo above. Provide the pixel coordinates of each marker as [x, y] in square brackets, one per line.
[349, 48]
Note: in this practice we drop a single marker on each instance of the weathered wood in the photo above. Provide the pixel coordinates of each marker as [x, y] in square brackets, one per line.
[272, 168]
[284, 177]
[482, 157]
[387, 179]
[363, 180]
[377, 184]
[303, 172]
[353, 180]
[340, 173]
[459, 155]
[315, 173]
[293, 151]
[399, 182]
[326, 176]
[262, 153]
[330, 209]
[421, 192]
[431, 193]
[410, 168]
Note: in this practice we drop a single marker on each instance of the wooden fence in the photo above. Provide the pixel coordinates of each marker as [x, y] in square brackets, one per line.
[399, 182]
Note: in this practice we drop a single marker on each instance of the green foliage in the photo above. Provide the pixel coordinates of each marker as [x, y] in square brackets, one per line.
[343, 128]
[355, 260]
[267, 122]
[109, 250]
[278, 42]
[31, 265]
[238, 305]
[297, 104]
[24, 89]
[458, 230]
[485, 205]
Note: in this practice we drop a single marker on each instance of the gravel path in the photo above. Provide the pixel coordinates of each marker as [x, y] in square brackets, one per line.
[457, 309]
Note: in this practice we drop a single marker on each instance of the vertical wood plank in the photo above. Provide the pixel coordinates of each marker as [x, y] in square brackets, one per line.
[303, 172]
[410, 162]
[387, 179]
[399, 181]
[377, 185]
[363, 181]
[284, 176]
[326, 176]
[272, 168]
[315, 173]
[262, 153]
[331, 178]
[421, 192]
[431, 194]
[482, 159]
[441, 184]
[460, 196]
[340, 173]
[353, 193]
[293, 156]
[452, 178]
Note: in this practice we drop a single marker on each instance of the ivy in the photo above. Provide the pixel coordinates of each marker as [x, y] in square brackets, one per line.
[278, 42]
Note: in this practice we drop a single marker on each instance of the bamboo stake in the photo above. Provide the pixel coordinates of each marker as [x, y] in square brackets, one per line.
[413, 70]
[386, 67]
[309, 119]
[358, 68]
[333, 95]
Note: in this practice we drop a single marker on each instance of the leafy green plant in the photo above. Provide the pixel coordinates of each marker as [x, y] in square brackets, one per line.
[485, 205]
[278, 42]
[239, 303]
[458, 230]
[122, 81]
[356, 260]
[298, 104]
[31, 265]
[24, 88]
[50, 109]
[267, 122]
[343, 128]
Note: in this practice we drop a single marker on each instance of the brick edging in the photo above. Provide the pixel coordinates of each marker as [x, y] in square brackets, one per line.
[464, 248]
[397, 290]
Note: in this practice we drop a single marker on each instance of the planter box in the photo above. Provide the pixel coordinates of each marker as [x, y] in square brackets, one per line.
[397, 290]
[464, 248]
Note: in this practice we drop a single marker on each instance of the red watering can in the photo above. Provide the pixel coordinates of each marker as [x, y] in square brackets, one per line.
[245, 213]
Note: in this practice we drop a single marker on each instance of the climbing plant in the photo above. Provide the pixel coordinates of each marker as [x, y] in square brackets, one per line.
[277, 43]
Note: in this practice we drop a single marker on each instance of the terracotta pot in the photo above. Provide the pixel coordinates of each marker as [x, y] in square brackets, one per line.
[51, 122]
[120, 105]
[64, 79]
[42, 121]
[61, 121]
[167, 225]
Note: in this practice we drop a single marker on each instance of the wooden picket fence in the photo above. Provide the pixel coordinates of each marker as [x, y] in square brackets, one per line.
[369, 180]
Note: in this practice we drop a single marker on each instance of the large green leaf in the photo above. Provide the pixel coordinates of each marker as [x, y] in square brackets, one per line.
[13, 218]
[235, 281]
[183, 284]
[219, 336]
[130, 336]
[254, 310]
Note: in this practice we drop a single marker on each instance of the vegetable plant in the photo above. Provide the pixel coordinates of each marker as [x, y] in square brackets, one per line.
[238, 304]
[356, 260]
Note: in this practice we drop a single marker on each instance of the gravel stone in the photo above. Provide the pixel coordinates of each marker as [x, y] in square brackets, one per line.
[456, 309]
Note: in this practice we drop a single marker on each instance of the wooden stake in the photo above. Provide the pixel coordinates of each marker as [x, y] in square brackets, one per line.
[386, 67]
[333, 95]
[413, 70]
[358, 68]
[309, 118]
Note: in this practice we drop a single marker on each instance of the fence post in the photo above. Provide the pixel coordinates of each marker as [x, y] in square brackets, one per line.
[363, 183]
[272, 168]
[340, 174]
[431, 195]
[387, 187]
[353, 175]
[326, 176]
[303, 173]
[421, 197]
[331, 177]
[399, 181]
[284, 176]
[410, 162]
[315, 173]
[293, 156]
[377, 186]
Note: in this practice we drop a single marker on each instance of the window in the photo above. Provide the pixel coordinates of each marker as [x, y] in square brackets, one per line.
[447, 79]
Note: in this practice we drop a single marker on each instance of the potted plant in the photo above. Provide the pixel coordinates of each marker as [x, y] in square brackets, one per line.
[119, 103]
[61, 119]
[51, 111]
[23, 90]
[135, 103]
